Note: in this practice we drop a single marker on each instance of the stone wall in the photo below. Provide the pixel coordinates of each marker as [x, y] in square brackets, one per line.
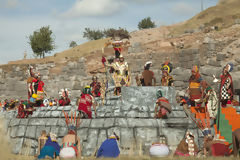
[130, 116]
[73, 74]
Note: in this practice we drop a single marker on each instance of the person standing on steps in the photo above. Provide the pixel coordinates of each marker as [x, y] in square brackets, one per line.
[148, 75]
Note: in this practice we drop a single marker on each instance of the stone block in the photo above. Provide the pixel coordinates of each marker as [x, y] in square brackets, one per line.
[221, 57]
[17, 143]
[31, 132]
[56, 114]
[85, 123]
[13, 131]
[91, 145]
[109, 122]
[146, 136]
[142, 122]
[121, 122]
[14, 122]
[37, 122]
[102, 136]
[83, 134]
[177, 114]
[21, 131]
[126, 137]
[97, 123]
[51, 122]
[174, 135]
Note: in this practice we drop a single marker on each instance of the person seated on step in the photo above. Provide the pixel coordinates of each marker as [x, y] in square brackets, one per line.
[159, 149]
[86, 102]
[41, 141]
[51, 148]
[71, 147]
[187, 146]
[109, 148]
[64, 100]
[147, 76]
[96, 86]
[163, 107]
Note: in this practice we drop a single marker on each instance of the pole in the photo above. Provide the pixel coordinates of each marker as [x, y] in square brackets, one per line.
[219, 106]
[201, 5]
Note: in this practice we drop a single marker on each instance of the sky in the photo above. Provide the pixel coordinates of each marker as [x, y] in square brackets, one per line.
[68, 19]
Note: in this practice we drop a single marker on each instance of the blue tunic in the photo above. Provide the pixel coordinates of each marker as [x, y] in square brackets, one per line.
[49, 149]
[109, 148]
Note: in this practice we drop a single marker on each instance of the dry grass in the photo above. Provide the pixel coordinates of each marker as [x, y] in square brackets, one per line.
[223, 15]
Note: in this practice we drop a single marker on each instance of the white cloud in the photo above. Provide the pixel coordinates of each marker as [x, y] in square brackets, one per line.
[94, 8]
[183, 8]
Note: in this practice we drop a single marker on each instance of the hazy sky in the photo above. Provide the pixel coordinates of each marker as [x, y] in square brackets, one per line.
[68, 18]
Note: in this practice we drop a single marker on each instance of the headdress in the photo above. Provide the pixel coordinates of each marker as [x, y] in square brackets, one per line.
[114, 136]
[72, 122]
[159, 93]
[148, 63]
[87, 90]
[195, 69]
[167, 67]
[64, 92]
[230, 67]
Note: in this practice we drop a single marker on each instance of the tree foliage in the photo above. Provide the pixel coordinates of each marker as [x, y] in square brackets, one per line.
[92, 34]
[120, 32]
[42, 41]
[146, 23]
[72, 44]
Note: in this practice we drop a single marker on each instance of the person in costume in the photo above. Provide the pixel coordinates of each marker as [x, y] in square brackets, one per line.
[121, 75]
[64, 100]
[163, 107]
[109, 148]
[96, 86]
[187, 146]
[38, 85]
[147, 75]
[195, 91]
[30, 81]
[117, 45]
[71, 142]
[160, 149]
[209, 100]
[51, 148]
[42, 140]
[166, 79]
[86, 102]
[226, 85]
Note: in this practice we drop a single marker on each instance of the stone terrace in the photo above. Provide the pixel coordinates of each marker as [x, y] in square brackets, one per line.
[130, 116]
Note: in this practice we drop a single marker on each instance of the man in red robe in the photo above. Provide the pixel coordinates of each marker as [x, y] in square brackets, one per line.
[86, 102]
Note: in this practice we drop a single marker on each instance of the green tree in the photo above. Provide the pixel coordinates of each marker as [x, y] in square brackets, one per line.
[42, 41]
[92, 34]
[120, 32]
[146, 23]
[72, 44]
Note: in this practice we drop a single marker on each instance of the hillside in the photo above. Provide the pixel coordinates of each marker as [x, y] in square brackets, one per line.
[223, 15]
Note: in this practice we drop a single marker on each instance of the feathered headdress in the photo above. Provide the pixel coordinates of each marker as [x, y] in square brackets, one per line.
[72, 122]
[64, 92]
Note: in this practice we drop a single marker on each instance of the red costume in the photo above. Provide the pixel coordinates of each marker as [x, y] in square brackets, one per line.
[96, 89]
[85, 104]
